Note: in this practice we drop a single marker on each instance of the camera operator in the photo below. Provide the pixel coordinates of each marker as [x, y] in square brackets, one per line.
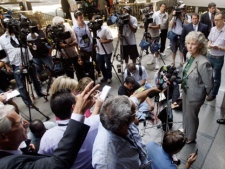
[104, 49]
[39, 48]
[18, 57]
[84, 39]
[67, 47]
[178, 20]
[154, 31]
[129, 30]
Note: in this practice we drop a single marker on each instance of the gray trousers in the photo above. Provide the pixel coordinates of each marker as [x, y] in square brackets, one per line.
[190, 116]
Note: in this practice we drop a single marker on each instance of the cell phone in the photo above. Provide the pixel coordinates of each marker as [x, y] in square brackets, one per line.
[105, 92]
[196, 151]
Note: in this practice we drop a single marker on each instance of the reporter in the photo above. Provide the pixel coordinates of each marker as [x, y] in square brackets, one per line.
[62, 102]
[161, 155]
[197, 82]
[13, 132]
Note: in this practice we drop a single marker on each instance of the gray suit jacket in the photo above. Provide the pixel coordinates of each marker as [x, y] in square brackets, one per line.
[199, 79]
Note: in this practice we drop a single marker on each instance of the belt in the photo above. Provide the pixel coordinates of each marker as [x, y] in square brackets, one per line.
[216, 57]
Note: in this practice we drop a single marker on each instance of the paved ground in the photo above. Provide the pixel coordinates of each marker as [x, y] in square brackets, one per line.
[211, 137]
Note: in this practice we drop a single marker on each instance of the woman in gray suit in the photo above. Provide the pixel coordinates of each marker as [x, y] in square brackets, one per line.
[197, 82]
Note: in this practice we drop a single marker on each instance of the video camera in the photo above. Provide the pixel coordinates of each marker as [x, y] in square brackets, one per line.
[177, 11]
[119, 19]
[168, 75]
[95, 25]
[56, 33]
[21, 28]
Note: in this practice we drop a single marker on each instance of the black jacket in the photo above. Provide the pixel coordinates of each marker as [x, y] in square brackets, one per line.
[62, 158]
[206, 20]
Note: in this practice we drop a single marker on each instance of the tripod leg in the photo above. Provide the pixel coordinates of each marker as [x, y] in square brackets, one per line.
[116, 74]
[160, 55]
[47, 118]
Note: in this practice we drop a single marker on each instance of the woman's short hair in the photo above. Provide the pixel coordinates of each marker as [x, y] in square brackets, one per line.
[116, 113]
[173, 141]
[201, 40]
[57, 20]
[82, 84]
[63, 82]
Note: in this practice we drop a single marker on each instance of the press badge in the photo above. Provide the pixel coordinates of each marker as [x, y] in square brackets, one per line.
[85, 38]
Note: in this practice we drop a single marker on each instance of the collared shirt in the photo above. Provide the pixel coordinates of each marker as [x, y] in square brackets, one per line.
[164, 17]
[14, 54]
[79, 32]
[160, 159]
[156, 21]
[128, 33]
[104, 33]
[136, 75]
[51, 138]
[211, 19]
[195, 27]
[111, 151]
[217, 38]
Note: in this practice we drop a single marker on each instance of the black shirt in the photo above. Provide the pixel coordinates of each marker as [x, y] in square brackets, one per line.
[124, 91]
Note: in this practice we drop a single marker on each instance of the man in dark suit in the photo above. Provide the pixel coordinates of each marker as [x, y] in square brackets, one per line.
[25, 6]
[13, 133]
[208, 17]
[195, 25]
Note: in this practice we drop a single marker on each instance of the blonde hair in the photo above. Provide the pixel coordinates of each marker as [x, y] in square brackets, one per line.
[63, 82]
[201, 40]
[83, 83]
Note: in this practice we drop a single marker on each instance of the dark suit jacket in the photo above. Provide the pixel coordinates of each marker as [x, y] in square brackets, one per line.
[23, 7]
[62, 158]
[205, 19]
[189, 27]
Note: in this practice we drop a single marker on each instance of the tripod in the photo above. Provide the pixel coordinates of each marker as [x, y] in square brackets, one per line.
[119, 57]
[27, 69]
[147, 42]
[111, 63]
[62, 63]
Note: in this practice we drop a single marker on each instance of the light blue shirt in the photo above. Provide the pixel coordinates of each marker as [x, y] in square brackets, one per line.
[51, 138]
[111, 151]
[79, 32]
[160, 159]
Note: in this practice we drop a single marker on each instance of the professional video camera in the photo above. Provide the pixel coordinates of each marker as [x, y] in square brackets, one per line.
[148, 18]
[177, 11]
[168, 75]
[95, 25]
[119, 19]
[56, 33]
[21, 28]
